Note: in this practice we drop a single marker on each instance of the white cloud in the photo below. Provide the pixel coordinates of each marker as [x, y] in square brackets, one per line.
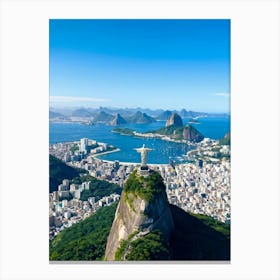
[70, 99]
[224, 94]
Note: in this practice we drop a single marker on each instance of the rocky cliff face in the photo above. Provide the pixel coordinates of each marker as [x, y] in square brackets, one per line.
[174, 119]
[164, 115]
[192, 134]
[139, 214]
[225, 140]
[118, 120]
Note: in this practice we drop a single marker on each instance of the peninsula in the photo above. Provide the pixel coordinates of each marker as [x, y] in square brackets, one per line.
[174, 131]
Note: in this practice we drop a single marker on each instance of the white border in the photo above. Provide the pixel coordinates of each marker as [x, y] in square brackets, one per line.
[255, 137]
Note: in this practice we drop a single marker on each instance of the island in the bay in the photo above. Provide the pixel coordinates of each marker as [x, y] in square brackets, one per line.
[174, 130]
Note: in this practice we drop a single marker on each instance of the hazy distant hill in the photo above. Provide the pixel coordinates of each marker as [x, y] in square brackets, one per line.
[184, 113]
[192, 114]
[125, 112]
[103, 117]
[130, 111]
[55, 115]
[140, 117]
[118, 120]
[81, 113]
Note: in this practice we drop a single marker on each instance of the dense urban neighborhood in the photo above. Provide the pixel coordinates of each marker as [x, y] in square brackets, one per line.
[200, 186]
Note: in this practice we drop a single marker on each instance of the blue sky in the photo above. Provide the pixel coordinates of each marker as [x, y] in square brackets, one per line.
[157, 64]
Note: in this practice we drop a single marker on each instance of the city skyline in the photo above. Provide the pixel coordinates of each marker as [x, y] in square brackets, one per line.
[156, 64]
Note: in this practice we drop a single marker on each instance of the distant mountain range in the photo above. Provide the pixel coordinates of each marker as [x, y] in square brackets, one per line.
[118, 120]
[114, 116]
[55, 115]
[82, 113]
[140, 117]
[103, 117]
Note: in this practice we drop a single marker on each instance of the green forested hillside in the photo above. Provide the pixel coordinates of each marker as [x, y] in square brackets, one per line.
[100, 188]
[146, 188]
[123, 130]
[187, 132]
[195, 237]
[170, 130]
[150, 247]
[97, 188]
[85, 240]
[198, 237]
[216, 225]
[58, 171]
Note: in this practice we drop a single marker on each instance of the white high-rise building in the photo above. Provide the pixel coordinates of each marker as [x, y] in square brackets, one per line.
[83, 145]
[65, 182]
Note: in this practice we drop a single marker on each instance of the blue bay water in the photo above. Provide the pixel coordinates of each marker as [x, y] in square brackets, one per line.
[214, 128]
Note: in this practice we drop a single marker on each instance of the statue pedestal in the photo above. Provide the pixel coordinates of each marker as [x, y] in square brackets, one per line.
[143, 171]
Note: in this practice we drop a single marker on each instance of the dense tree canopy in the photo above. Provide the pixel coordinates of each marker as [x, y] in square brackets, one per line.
[58, 171]
[100, 188]
[85, 240]
[150, 247]
[145, 187]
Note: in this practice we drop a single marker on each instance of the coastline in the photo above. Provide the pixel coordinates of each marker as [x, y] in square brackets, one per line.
[133, 163]
[104, 153]
[150, 135]
[96, 156]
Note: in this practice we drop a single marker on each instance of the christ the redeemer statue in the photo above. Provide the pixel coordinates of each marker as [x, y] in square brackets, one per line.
[143, 151]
